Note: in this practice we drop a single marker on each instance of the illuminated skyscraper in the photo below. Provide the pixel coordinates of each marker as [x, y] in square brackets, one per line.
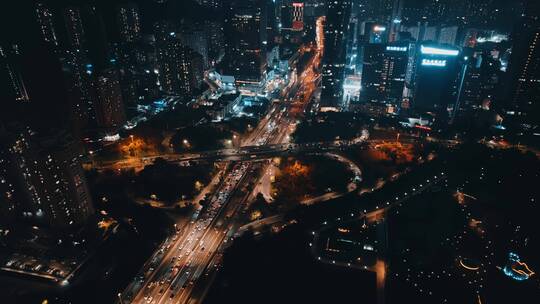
[524, 67]
[215, 39]
[80, 89]
[45, 179]
[45, 23]
[437, 70]
[180, 68]
[8, 190]
[74, 27]
[245, 39]
[128, 22]
[334, 58]
[384, 71]
[13, 84]
[110, 113]
[196, 40]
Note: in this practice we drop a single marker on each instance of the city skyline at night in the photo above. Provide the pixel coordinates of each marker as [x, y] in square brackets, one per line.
[269, 151]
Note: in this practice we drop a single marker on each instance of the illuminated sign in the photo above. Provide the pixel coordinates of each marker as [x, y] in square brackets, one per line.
[378, 28]
[434, 62]
[437, 51]
[396, 48]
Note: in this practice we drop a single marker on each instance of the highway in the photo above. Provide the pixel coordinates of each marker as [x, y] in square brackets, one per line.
[172, 273]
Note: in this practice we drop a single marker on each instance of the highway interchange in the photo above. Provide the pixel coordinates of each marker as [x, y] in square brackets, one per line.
[173, 272]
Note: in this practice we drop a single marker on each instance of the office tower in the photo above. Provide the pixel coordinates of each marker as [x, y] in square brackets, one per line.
[245, 39]
[129, 24]
[334, 58]
[46, 179]
[46, 25]
[384, 71]
[13, 84]
[472, 88]
[74, 27]
[436, 74]
[524, 68]
[373, 84]
[110, 114]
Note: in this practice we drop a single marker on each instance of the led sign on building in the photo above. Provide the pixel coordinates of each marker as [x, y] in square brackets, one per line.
[434, 62]
[437, 51]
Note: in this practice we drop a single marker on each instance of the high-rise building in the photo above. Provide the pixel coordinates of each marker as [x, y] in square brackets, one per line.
[95, 34]
[46, 24]
[110, 113]
[395, 22]
[482, 80]
[215, 39]
[74, 27]
[384, 71]
[13, 85]
[163, 31]
[180, 68]
[245, 39]
[334, 58]
[196, 40]
[8, 191]
[437, 70]
[80, 89]
[129, 24]
[524, 68]
[46, 180]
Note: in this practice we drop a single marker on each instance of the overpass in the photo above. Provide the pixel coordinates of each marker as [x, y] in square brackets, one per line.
[239, 154]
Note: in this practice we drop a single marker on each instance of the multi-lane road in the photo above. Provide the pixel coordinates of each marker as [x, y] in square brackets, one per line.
[175, 269]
